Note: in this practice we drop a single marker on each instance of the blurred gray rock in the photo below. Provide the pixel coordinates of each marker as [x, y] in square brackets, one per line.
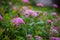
[45, 2]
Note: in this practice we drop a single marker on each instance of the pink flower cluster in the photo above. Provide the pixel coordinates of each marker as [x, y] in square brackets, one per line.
[17, 21]
[37, 37]
[48, 21]
[54, 38]
[54, 14]
[53, 30]
[25, 1]
[45, 13]
[29, 37]
[24, 8]
[30, 13]
[0, 17]
[40, 4]
[14, 8]
[55, 5]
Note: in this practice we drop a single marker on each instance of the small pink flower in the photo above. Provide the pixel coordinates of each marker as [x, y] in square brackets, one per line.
[14, 8]
[25, 1]
[37, 37]
[27, 14]
[52, 38]
[40, 4]
[55, 5]
[45, 13]
[31, 13]
[24, 8]
[34, 14]
[54, 30]
[0, 17]
[48, 21]
[17, 21]
[29, 37]
[57, 38]
[54, 14]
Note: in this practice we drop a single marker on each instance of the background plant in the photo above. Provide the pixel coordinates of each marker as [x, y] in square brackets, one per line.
[33, 25]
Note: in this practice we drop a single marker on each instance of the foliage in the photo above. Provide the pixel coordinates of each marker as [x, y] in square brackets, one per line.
[33, 25]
